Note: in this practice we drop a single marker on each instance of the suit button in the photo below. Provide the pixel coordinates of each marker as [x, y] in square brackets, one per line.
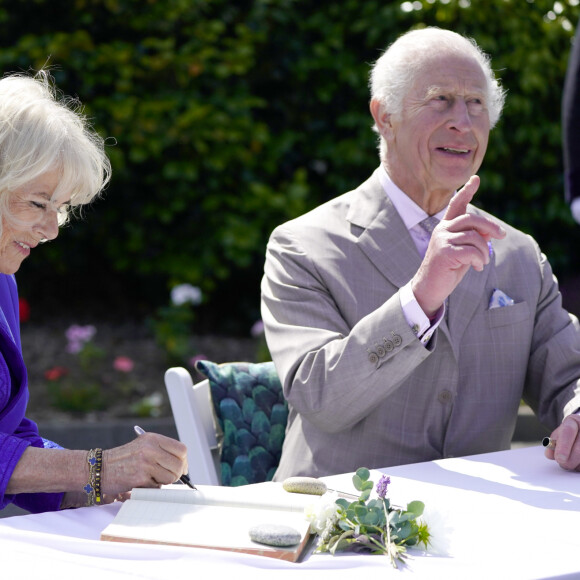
[388, 345]
[445, 397]
[373, 358]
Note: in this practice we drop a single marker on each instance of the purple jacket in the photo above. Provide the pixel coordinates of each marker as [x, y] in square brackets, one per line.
[16, 431]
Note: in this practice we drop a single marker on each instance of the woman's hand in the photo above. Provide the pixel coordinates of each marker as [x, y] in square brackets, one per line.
[76, 499]
[150, 460]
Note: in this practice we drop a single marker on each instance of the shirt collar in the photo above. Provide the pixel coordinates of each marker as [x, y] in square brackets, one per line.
[410, 212]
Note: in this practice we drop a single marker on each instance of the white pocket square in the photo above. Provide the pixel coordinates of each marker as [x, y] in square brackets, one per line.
[499, 299]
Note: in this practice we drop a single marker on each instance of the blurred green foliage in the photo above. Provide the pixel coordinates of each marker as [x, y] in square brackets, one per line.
[171, 326]
[227, 118]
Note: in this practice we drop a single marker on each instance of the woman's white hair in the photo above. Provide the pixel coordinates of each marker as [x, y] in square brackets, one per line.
[395, 71]
[42, 130]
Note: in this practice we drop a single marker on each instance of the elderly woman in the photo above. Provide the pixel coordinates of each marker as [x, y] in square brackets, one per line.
[50, 163]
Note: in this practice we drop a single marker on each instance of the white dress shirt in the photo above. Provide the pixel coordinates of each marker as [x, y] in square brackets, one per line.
[412, 215]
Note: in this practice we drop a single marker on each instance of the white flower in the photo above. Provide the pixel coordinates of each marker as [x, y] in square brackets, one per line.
[184, 293]
[440, 530]
[154, 399]
[323, 513]
[150, 405]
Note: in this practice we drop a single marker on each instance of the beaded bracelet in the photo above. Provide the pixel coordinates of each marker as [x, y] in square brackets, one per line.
[93, 487]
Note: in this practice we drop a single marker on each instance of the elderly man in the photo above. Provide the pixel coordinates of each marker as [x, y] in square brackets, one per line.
[396, 346]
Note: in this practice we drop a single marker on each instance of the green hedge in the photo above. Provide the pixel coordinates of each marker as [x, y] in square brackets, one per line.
[227, 118]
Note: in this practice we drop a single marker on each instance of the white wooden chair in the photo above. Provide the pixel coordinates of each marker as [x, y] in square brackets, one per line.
[196, 424]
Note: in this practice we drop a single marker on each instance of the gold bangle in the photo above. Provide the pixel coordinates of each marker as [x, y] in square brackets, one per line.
[93, 486]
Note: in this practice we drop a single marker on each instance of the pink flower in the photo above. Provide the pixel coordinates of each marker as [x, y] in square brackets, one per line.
[123, 364]
[195, 358]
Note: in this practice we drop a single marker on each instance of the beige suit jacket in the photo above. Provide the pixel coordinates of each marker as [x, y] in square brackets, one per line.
[362, 389]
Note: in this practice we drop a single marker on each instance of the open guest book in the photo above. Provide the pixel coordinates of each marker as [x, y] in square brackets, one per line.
[212, 517]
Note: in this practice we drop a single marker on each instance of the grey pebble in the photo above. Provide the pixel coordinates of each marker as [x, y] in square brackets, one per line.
[308, 485]
[275, 535]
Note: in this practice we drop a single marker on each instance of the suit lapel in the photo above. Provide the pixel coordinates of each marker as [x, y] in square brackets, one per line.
[382, 235]
[384, 239]
[468, 295]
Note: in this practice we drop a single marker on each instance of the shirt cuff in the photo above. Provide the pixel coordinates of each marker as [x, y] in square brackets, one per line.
[422, 327]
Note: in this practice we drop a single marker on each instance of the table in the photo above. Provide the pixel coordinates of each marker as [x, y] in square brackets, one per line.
[511, 514]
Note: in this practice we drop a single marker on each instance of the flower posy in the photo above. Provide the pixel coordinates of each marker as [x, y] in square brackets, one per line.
[370, 525]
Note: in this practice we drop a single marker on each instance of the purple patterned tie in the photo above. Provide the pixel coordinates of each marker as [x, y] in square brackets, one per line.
[429, 224]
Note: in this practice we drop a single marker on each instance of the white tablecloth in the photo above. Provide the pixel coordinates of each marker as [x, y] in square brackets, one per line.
[512, 514]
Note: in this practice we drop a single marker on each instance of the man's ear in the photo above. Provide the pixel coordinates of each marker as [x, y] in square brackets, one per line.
[381, 117]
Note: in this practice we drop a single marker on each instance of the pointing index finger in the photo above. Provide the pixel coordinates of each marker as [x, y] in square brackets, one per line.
[458, 204]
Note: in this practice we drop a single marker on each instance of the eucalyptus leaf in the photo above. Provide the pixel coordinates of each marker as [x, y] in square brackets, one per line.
[357, 482]
[367, 485]
[404, 531]
[363, 473]
[370, 518]
[376, 518]
[360, 510]
[416, 507]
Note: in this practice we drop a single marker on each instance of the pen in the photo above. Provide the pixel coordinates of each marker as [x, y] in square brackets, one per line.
[184, 478]
[549, 443]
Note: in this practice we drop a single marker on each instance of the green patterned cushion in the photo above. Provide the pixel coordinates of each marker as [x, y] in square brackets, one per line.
[252, 413]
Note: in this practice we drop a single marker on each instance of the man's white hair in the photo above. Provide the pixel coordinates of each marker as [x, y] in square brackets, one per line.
[395, 71]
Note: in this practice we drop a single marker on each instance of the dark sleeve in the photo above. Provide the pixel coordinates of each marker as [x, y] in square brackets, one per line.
[571, 122]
